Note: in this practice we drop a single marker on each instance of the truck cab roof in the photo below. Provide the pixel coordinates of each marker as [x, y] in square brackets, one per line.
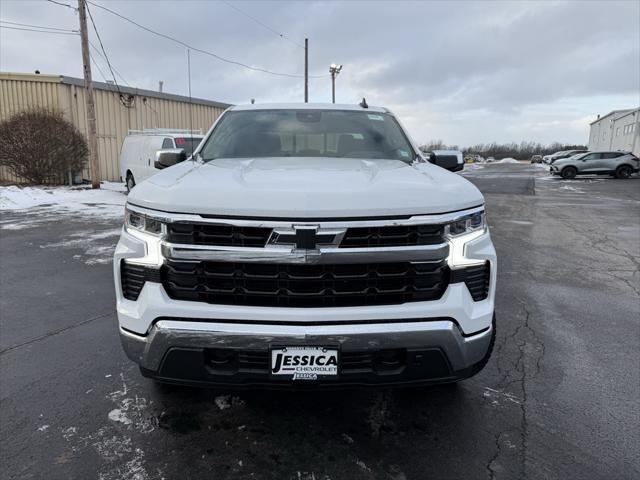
[308, 106]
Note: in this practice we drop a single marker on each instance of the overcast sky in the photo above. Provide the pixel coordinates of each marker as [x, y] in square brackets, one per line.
[464, 72]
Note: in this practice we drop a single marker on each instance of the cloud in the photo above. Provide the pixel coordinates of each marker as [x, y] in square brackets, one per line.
[517, 70]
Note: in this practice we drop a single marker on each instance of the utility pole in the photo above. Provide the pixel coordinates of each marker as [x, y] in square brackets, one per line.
[306, 70]
[92, 135]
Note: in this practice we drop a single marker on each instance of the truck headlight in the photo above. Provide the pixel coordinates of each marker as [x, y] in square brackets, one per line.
[149, 230]
[459, 233]
[143, 223]
[465, 225]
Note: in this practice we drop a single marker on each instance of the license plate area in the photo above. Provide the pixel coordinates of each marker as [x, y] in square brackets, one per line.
[303, 362]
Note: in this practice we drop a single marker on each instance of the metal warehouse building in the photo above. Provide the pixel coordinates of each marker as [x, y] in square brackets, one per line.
[617, 130]
[117, 111]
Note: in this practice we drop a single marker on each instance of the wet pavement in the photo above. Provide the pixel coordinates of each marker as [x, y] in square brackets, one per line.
[560, 398]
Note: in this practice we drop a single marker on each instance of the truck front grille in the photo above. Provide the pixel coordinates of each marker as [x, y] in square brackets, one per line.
[291, 285]
[356, 237]
[393, 236]
[220, 235]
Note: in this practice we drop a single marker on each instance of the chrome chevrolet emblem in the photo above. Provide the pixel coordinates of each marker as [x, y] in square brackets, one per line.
[303, 237]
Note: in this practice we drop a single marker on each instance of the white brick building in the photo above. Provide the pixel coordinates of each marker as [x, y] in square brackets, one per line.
[617, 130]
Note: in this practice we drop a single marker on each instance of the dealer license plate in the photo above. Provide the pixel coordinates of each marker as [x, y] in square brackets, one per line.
[304, 363]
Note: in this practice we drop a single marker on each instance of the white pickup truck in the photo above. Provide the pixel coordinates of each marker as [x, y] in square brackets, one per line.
[307, 245]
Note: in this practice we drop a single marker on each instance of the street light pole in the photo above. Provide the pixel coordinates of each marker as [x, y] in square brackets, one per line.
[306, 70]
[333, 87]
[334, 70]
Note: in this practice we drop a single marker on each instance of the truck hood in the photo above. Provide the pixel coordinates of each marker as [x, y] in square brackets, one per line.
[303, 187]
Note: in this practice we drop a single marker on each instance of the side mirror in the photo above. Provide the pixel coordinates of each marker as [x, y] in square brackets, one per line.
[450, 160]
[169, 157]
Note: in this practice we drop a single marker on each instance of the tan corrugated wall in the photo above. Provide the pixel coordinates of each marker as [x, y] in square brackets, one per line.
[114, 119]
[18, 95]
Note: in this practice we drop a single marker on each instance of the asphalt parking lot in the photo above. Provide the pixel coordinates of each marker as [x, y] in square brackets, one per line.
[560, 397]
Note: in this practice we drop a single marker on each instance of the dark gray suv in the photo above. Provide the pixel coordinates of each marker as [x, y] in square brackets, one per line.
[618, 164]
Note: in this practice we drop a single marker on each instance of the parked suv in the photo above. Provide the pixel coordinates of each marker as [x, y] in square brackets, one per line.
[562, 154]
[618, 164]
[566, 154]
[306, 244]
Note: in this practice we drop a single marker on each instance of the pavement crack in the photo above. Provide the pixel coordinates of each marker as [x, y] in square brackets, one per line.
[492, 460]
[54, 332]
[515, 374]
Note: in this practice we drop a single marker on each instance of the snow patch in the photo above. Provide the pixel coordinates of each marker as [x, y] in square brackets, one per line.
[347, 438]
[43, 428]
[542, 166]
[121, 459]
[113, 187]
[118, 416]
[496, 395]
[508, 160]
[223, 402]
[97, 254]
[69, 433]
[571, 189]
[108, 202]
[132, 412]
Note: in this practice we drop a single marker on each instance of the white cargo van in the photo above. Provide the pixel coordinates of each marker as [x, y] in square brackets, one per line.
[139, 149]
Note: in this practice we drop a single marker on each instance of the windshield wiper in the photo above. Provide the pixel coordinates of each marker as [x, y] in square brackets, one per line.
[205, 160]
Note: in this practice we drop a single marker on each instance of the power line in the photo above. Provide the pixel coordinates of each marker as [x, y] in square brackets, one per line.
[39, 31]
[98, 67]
[106, 57]
[39, 26]
[63, 4]
[114, 68]
[281, 35]
[199, 50]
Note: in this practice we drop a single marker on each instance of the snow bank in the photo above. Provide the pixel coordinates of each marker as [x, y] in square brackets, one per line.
[542, 166]
[473, 166]
[108, 201]
[508, 160]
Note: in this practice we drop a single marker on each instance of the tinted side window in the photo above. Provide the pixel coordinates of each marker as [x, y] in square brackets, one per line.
[611, 155]
[591, 156]
[167, 143]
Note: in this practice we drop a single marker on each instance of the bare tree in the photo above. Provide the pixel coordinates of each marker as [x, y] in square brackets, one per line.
[41, 146]
[437, 145]
[523, 151]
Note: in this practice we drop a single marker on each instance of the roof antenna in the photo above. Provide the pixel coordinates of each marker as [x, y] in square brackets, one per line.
[363, 103]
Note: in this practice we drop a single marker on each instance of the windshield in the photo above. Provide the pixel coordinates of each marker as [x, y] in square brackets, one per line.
[188, 144]
[307, 133]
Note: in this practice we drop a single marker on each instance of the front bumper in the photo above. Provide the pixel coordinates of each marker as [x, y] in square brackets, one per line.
[435, 341]
[426, 351]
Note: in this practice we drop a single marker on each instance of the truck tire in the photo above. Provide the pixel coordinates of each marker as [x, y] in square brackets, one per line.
[131, 182]
[568, 173]
[623, 171]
